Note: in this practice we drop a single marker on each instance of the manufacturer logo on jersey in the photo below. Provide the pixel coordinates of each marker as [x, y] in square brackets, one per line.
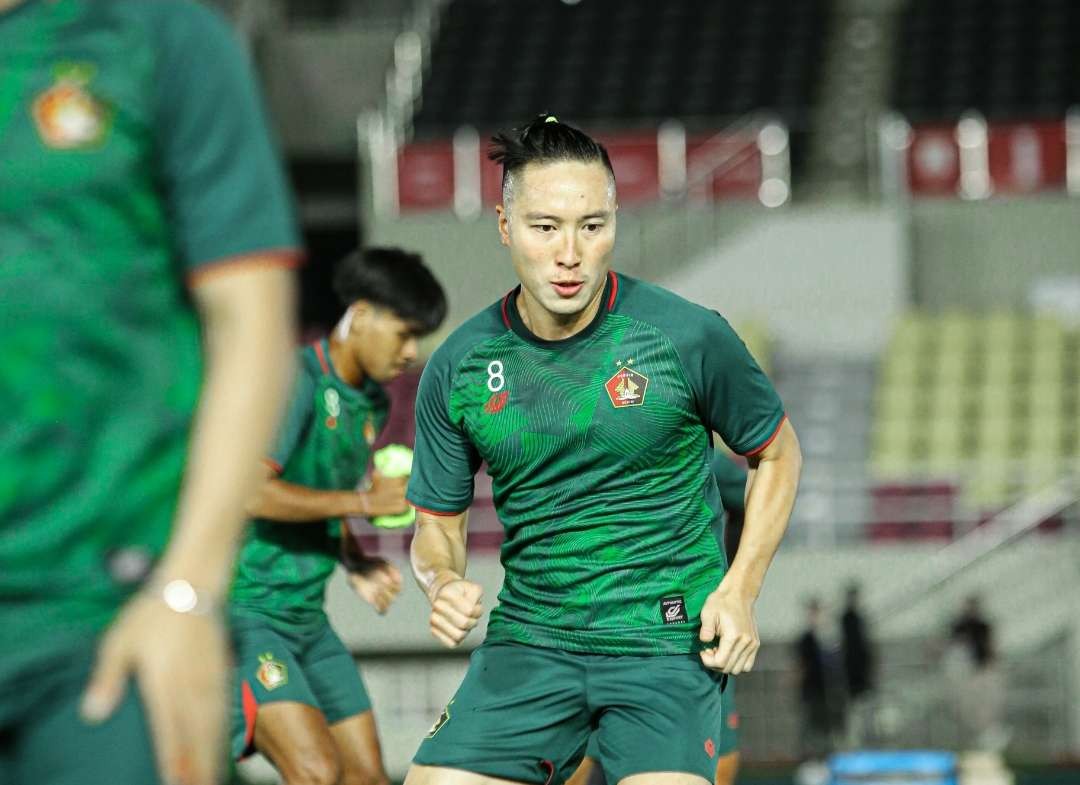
[369, 430]
[710, 748]
[673, 610]
[496, 402]
[332, 399]
[627, 387]
[67, 116]
[443, 719]
[271, 673]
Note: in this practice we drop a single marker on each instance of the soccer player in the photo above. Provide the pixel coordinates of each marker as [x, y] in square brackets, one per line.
[299, 698]
[146, 334]
[590, 396]
[731, 482]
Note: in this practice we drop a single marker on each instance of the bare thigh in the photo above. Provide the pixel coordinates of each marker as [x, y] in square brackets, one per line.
[437, 775]
[585, 772]
[297, 740]
[358, 749]
[664, 778]
[727, 766]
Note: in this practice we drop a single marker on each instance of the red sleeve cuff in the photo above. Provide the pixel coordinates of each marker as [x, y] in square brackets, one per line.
[289, 258]
[437, 513]
[768, 441]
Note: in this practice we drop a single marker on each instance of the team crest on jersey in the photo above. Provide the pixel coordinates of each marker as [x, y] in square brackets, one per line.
[443, 719]
[332, 399]
[627, 387]
[272, 673]
[67, 115]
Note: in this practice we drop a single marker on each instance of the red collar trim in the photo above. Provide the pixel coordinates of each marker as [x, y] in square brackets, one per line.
[322, 356]
[506, 308]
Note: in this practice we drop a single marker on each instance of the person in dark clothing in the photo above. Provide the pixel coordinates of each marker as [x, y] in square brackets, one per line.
[972, 631]
[858, 662]
[816, 722]
[978, 680]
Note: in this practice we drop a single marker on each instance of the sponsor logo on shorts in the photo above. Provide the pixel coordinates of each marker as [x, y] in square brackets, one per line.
[627, 387]
[443, 719]
[673, 610]
[272, 673]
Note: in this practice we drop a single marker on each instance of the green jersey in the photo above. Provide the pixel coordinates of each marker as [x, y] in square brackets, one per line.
[730, 481]
[133, 154]
[597, 447]
[325, 443]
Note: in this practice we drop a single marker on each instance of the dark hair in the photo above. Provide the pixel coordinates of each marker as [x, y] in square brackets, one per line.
[545, 140]
[394, 279]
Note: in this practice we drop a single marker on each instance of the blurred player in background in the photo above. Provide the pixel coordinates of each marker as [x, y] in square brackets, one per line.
[590, 396]
[731, 480]
[146, 334]
[299, 698]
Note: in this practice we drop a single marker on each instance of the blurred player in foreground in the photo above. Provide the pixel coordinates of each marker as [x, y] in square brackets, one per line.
[298, 697]
[731, 480]
[146, 331]
[590, 396]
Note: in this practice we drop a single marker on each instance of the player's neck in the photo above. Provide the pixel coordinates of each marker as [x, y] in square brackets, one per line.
[550, 326]
[344, 362]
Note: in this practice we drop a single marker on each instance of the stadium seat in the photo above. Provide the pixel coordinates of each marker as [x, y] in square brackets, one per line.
[614, 62]
[998, 367]
[996, 402]
[1008, 60]
[951, 400]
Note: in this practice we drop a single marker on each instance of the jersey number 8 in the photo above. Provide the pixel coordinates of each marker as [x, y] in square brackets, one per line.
[496, 380]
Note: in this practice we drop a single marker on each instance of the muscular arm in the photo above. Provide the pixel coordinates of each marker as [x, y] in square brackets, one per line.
[770, 495]
[438, 550]
[248, 331]
[248, 334]
[727, 619]
[438, 562]
[287, 502]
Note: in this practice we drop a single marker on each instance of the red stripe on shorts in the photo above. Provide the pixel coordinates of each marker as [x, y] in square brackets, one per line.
[251, 708]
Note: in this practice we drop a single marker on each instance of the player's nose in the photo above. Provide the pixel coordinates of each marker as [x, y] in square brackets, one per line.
[568, 254]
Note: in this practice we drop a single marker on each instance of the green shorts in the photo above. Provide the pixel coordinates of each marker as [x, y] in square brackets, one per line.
[44, 742]
[526, 714]
[311, 667]
[727, 733]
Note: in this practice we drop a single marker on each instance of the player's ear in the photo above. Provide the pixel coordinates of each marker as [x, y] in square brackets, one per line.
[363, 309]
[359, 313]
[504, 224]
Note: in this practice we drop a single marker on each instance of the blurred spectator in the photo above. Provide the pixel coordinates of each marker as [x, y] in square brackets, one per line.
[858, 662]
[815, 717]
[979, 687]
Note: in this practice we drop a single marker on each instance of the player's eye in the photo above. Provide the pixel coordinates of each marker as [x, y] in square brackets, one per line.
[593, 228]
[544, 228]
